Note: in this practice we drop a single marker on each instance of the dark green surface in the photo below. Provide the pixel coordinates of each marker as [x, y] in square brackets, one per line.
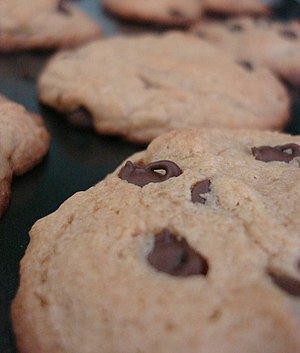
[76, 161]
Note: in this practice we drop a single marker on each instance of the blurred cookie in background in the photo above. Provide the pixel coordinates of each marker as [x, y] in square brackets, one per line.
[23, 143]
[140, 87]
[255, 42]
[181, 13]
[43, 24]
[164, 12]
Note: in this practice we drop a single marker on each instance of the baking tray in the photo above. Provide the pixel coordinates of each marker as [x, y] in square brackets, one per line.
[77, 158]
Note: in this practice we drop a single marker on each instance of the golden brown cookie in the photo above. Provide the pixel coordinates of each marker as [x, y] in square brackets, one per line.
[275, 45]
[166, 12]
[43, 24]
[140, 87]
[190, 246]
[181, 13]
[23, 143]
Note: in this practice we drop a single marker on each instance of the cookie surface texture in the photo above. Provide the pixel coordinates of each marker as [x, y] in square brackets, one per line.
[43, 24]
[165, 12]
[141, 87]
[272, 44]
[23, 142]
[138, 264]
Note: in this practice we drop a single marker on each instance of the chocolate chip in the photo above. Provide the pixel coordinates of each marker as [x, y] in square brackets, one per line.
[150, 173]
[80, 117]
[63, 7]
[246, 65]
[277, 153]
[201, 34]
[198, 189]
[288, 34]
[287, 283]
[174, 256]
[176, 13]
[148, 84]
[236, 27]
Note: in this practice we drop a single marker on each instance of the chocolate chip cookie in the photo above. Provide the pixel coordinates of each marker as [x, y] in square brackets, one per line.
[166, 12]
[140, 87]
[251, 42]
[23, 143]
[43, 24]
[190, 246]
[180, 13]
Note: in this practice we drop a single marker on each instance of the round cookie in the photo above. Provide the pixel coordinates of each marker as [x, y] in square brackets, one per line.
[275, 45]
[181, 13]
[43, 24]
[140, 87]
[23, 143]
[190, 246]
[166, 12]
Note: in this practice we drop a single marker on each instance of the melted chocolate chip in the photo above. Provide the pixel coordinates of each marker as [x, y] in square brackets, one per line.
[295, 149]
[287, 283]
[288, 34]
[236, 28]
[277, 153]
[174, 256]
[142, 176]
[246, 65]
[198, 189]
[63, 8]
[80, 117]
